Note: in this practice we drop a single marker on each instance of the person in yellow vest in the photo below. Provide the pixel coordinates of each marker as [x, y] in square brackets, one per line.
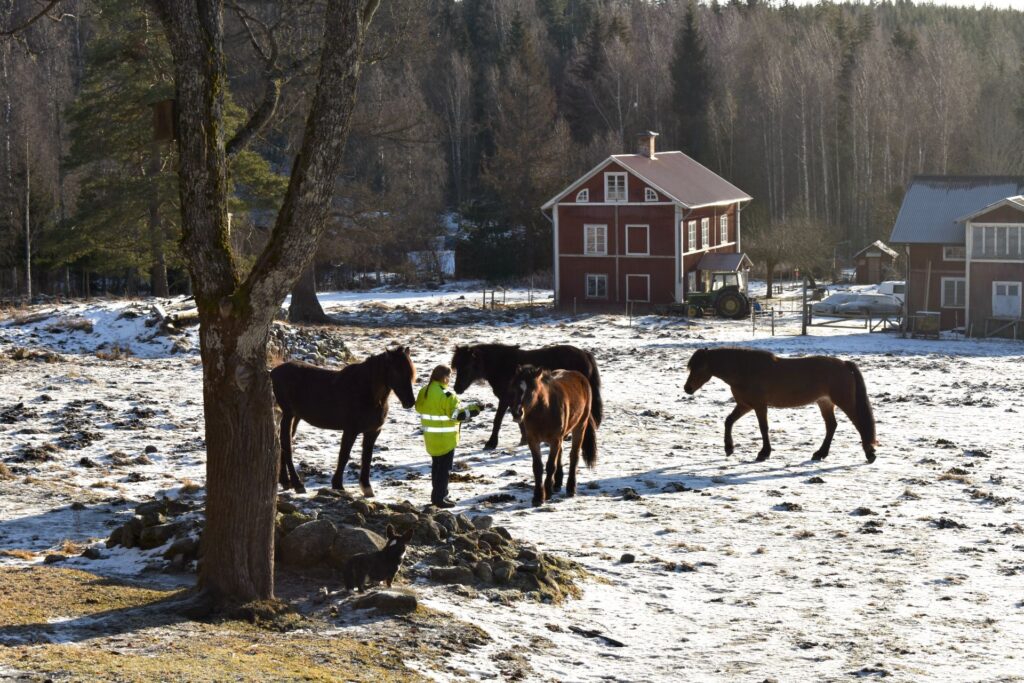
[441, 415]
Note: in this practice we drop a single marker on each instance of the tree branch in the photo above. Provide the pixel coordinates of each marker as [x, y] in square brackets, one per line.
[17, 29]
[272, 89]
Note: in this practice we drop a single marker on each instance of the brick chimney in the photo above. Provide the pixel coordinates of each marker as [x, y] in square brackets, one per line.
[645, 144]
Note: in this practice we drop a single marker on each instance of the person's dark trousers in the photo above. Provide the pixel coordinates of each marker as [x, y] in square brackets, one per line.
[440, 466]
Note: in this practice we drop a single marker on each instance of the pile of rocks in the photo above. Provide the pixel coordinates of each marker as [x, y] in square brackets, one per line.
[316, 345]
[320, 534]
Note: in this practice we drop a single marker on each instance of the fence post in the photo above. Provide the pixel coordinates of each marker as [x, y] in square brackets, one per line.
[773, 321]
[485, 299]
[803, 309]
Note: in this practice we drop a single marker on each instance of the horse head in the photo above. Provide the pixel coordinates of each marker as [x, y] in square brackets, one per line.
[524, 390]
[700, 371]
[401, 373]
[467, 366]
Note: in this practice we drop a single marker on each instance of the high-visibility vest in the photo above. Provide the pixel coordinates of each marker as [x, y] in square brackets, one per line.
[439, 412]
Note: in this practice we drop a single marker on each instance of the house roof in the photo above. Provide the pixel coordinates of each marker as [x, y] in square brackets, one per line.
[1013, 202]
[673, 174]
[881, 246]
[720, 263]
[934, 205]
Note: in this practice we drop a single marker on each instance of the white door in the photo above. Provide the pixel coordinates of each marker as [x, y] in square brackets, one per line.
[1006, 299]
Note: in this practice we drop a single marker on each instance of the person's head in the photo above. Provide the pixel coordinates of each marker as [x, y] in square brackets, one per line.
[442, 374]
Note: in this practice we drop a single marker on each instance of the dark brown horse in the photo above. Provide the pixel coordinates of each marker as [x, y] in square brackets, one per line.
[353, 400]
[550, 404]
[497, 364]
[759, 379]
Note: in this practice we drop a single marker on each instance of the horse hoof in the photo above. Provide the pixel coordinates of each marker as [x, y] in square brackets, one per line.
[490, 446]
[761, 457]
[337, 485]
[870, 456]
[818, 456]
[537, 502]
[729, 450]
[367, 491]
[570, 493]
[299, 488]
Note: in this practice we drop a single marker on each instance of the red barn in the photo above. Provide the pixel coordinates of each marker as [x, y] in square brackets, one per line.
[964, 240]
[635, 227]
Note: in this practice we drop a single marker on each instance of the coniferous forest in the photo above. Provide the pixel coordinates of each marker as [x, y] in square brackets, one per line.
[472, 113]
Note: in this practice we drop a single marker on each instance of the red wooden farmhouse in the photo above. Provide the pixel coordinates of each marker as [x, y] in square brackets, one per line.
[644, 228]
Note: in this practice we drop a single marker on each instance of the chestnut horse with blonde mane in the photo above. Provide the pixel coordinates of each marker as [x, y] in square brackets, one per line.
[550, 404]
[760, 379]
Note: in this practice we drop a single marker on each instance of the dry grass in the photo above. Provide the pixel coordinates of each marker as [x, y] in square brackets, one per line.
[69, 547]
[70, 323]
[116, 632]
[116, 352]
[5, 472]
[18, 554]
[188, 486]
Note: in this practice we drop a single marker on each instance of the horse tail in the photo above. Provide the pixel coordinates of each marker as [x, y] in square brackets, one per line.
[596, 405]
[865, 416]
[590, 442]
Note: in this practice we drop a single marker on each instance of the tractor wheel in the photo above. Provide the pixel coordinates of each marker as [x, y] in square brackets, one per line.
[730, 305]
[694, 311]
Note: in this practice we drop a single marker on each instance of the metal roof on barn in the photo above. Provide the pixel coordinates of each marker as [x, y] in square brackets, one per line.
[933, 206]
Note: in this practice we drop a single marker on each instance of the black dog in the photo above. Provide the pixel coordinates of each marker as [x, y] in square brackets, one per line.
[379, 566]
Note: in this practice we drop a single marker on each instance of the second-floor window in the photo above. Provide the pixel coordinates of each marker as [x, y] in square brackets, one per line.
[954, 253]
[650, 195]
[705, 233]
[595, 240]
[582, 196]
[615, 187]
[691, 235]
[1003, 242]
[723, 229]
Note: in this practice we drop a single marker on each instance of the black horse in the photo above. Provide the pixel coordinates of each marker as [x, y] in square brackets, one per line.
[497, 364]
[353, 400]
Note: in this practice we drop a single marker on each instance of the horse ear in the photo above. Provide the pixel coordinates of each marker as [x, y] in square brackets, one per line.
[390, 531]
[407, 536]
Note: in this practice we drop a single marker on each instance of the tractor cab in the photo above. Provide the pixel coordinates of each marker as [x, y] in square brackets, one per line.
[724, 277]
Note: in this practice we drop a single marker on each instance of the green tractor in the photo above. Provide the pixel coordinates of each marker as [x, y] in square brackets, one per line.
[725, 296]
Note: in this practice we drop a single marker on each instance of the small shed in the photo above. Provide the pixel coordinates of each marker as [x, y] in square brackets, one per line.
[875, 263]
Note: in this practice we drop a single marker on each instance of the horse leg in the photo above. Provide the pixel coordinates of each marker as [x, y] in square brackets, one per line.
[369, 438]
[762, 422]
[538, 474]
[348, 438]
[554, 462]
[574, 459]
[288, 424]
[499, 414]
[737, 412]
[828, 413]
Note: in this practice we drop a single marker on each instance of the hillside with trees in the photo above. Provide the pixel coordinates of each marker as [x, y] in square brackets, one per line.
[473, 113]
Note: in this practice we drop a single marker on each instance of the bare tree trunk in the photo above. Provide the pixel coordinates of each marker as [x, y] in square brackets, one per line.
[28, 226]
[235, 314]
[305, 307]
[158, 266]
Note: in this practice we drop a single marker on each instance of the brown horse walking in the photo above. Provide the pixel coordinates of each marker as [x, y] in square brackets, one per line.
[549, 405]
[353, 400]
[759, 379]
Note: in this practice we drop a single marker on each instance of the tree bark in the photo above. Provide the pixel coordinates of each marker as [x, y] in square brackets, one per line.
[305, 307]
[235, 315]
[158, 266]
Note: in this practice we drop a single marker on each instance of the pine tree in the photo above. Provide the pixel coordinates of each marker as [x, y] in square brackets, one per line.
[691, 87]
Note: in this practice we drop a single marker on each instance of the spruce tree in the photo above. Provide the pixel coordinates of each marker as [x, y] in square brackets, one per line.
[691, 87]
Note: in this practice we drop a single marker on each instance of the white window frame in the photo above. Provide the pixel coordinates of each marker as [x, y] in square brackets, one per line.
[949, 255]
[987, 247]
[583, 196]
[646, 277]
[595, 229]
[1020, 292]
[705, 233]
[595, 278]
[723, 228]
[647, 240]
[617, 199]
[650, 195]
[691, 236]
[942, 292]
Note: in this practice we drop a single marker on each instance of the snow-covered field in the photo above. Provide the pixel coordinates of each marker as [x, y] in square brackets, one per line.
[911, 568]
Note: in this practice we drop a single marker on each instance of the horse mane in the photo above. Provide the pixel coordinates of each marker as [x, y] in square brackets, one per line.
[735, 357]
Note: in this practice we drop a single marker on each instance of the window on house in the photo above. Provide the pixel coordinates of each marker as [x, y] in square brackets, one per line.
[954, 292]
[597, 286]
[615, 187]
[723, 229]
[691, 235]
[595, 240]
[954, 253]
[637, 240]
[650, 195]
[705, 233]
[582, 196]
[1002, 242]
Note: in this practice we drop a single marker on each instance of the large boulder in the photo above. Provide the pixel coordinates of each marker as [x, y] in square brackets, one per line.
[349, 541]
[308, 544]
[462, 575]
